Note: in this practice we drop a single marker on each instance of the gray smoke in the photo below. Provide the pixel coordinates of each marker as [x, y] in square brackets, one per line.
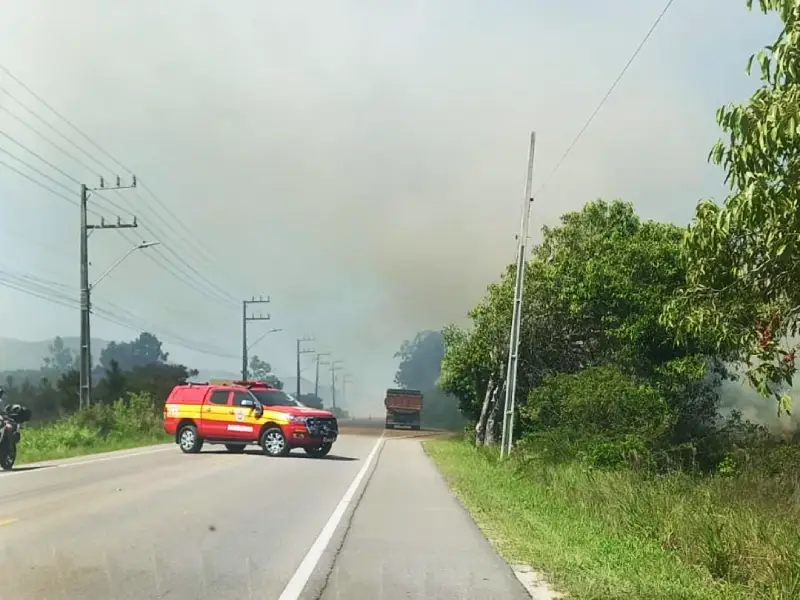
[363, 164]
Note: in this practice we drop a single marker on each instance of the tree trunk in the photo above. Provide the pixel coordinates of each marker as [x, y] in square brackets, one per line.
[480, 426]
[495, 416]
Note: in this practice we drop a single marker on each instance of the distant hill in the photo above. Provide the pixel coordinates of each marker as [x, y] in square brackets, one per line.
[22, 354]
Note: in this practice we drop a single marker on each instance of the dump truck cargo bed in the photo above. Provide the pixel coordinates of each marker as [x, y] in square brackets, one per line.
[403, 408]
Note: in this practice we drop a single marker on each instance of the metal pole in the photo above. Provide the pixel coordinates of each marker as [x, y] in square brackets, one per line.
[85, 360]
[244, 340]
[335, 366]
[245, 320]
[333, 386]
[316, 380]
[519, 287]
[298, 368]
[114, 265]
[85, 392]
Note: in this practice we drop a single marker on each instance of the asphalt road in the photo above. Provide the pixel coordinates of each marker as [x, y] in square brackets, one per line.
[373, 521]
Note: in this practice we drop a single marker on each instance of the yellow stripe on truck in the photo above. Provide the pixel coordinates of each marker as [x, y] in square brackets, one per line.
[224, 413]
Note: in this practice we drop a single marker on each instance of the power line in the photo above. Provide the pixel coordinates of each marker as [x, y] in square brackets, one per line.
[39, 183]
[56, 131]
[189, 239]
[220, 294]
[176, 272]
[213, 291]
[66, 153]
[49, 291]
[40, 157]
[36, 170]
[63, 118]
[589, 121]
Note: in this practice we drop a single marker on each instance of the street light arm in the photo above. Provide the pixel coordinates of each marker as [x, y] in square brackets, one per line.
[120, 259]
[251, 346]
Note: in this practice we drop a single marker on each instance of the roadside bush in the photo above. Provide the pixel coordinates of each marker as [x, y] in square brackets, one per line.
[600, 416]
[127, 421]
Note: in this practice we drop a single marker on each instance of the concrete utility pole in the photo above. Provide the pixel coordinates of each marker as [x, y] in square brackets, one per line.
[316, 378]
[245, 320]
[85, 289]
[335, 366]
[513, 345]
[345, 380]
[299, 352]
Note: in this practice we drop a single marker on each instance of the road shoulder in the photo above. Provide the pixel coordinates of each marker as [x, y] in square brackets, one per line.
[410, 538]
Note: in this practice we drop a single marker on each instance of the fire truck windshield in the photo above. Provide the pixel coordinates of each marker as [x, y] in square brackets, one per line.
[274, 398]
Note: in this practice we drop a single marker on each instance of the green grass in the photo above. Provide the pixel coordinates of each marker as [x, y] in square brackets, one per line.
[128, 424]
[625, 535]
[32, 452]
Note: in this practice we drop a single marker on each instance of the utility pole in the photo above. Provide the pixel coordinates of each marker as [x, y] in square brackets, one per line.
[299, 352]
[245, 320]
[345, 380]
[316, 378]
[513, 344]
[85, 288]
[335, 366]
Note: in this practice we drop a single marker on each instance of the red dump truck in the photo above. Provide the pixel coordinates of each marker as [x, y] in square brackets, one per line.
[403, 408]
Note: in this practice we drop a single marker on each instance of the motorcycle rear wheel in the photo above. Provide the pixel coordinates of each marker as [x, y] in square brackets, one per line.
[8, 456]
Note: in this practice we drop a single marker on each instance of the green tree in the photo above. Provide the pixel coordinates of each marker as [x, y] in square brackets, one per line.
[156, 380]
[420, 360]
[595, 289]
[259, 369]
[599, 413]
[273, 380]
[144, 350]
[68, 386]
[743, 258]
[61, 358]
[420, 368]
[113, 385]
[473, 368]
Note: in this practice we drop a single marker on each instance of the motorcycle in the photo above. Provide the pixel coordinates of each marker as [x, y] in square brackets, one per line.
[11, 417]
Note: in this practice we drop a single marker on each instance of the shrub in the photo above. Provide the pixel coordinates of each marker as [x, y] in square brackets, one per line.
[599, 415]
[129, 419]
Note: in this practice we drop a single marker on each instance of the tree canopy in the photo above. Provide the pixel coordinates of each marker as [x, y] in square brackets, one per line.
[262, 370]
[630, 327]
[61, 358]
[743, 257]
[595, 290]
[259, 369]
[419, 368]
[144, 350]
[135, 367]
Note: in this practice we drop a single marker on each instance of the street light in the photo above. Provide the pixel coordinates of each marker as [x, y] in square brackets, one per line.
[250, 347]
[130, 251]
[86, 309]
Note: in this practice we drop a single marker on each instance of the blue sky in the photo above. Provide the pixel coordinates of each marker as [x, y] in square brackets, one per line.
[362, 165]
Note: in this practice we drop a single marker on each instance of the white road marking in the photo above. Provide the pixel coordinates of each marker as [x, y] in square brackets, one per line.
[303, 573]
[39, 467]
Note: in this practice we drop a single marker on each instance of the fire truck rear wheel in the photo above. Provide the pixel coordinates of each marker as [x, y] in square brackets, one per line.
[189, 441]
